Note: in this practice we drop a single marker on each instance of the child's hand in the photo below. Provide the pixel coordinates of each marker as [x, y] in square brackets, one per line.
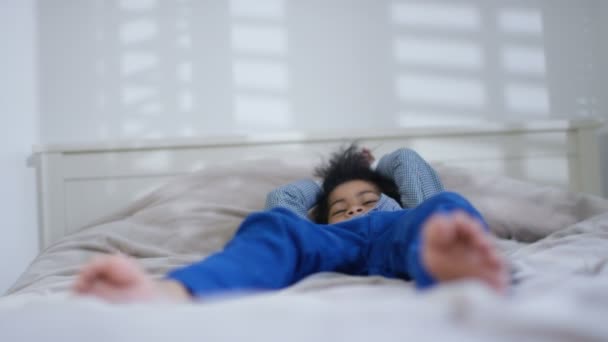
[116, 278]
[367, 154]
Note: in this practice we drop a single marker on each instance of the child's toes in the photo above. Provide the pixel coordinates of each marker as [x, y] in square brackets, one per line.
[493, 259]
[437, 231]
[471, 231]
[500, 281]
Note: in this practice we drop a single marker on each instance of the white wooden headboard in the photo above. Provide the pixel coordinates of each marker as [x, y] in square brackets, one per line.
[79, 183]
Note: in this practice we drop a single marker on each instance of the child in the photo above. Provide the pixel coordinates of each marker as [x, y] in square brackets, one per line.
[359, 228]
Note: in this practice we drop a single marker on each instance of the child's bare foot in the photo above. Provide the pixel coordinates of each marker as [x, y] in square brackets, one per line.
[456, 247]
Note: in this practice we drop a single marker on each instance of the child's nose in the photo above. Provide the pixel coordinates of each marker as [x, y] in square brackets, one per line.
[355, 211]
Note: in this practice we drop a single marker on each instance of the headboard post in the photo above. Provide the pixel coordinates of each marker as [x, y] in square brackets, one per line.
[589, 152]
[51, 196]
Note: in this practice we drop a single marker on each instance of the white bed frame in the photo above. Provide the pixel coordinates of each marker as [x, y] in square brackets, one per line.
[79, 183]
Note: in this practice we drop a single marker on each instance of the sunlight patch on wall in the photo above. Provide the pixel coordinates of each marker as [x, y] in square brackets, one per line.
[260, 72]
[527, 21]
[138, 5]
[155, 66]
[139, 66]
[138, 30]
[185, 101]
[525, 60]
[183, 71]
[460, 59]
[257, 9]
[421, 14]
[439, 63]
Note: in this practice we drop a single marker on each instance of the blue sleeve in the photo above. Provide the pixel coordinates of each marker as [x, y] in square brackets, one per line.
[422, 278]
[270, 250]
[414, 177]
[298, 197]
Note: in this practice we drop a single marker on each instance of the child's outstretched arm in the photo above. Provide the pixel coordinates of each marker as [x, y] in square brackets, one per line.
[299, 197]
[414, 177]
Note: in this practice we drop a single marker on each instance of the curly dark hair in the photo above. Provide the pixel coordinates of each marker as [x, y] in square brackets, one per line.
[346, 165]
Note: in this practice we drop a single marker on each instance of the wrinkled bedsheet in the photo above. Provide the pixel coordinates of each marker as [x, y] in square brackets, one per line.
[555, 241]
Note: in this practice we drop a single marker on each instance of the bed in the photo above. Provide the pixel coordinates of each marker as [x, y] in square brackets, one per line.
[171, 202]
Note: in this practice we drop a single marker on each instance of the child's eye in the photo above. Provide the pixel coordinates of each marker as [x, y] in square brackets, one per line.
[338, 212]
[370, 202]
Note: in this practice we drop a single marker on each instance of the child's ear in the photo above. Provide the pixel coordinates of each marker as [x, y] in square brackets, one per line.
[312, 213]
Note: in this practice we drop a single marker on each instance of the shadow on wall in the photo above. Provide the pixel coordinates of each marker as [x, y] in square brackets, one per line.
[465, 62]
[151, 68]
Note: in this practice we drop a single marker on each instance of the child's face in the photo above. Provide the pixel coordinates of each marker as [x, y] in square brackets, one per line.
[351, 199]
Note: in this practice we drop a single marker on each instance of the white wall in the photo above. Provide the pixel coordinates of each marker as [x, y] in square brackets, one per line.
[145, 68]
[151, 68]
[19, 130]
[600, 48]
